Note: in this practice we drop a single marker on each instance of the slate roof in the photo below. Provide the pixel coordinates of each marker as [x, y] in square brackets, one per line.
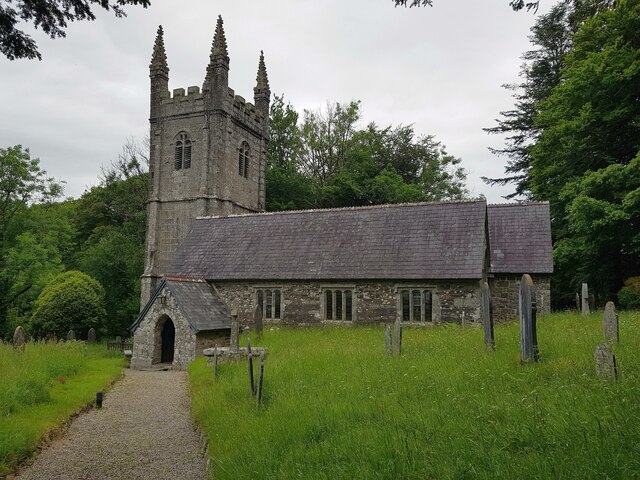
[197, 301]
[440, 240]
[520, 238]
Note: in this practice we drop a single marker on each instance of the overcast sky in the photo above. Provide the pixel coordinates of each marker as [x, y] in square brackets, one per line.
[438, 68]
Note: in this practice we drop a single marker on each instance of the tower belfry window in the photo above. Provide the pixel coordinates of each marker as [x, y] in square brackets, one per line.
[182, 157]
[243, 160]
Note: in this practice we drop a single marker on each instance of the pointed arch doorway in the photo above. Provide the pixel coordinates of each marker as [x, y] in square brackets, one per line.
[167, 341]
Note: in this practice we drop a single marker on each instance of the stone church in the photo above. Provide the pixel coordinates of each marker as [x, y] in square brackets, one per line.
[211, 251]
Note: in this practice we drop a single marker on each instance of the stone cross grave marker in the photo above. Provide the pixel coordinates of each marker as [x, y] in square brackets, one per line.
[260, 379]
[485, 313]
[235, 333]
[19, 338]
[71, 335]
[257, 319]
[91, 335]
[397, 336]
[387, 340]
[585, 300]
[252, 387]
[610, 320]
[578, 301]
[527, 310]
[605, 362]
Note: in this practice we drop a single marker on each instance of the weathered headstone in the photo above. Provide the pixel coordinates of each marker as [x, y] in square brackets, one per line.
[605, 361]
[71, 335]
[119, 339]
[436, 310]
[592, 302]
[578, 307]
[610, 320]
[387, 340]
[260, 379]
[19, 338]
[215, 363]
[485, 314]
[585, 300]
[252, 387]
[527, 310]
[397, 336]
[91, 335]
[235, 333]
[257, 320]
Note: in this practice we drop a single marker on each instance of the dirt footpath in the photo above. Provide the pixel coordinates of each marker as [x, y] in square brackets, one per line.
[143, 431]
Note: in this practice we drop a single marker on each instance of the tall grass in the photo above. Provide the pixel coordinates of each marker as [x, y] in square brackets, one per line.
[42, 386]
[337, 407]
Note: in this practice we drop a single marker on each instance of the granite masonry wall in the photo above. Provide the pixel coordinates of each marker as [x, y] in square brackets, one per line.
[373, 302]
[505, 290]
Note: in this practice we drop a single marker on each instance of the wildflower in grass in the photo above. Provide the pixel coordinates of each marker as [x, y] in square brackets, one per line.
[61, 379]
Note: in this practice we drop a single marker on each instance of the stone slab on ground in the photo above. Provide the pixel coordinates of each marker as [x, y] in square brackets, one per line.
[143, 431]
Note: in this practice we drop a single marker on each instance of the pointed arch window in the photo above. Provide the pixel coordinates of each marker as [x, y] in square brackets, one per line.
[182, 156]
[243, 160]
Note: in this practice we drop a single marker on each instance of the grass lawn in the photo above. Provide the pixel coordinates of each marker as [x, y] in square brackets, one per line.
[337, 407]
[42, 386]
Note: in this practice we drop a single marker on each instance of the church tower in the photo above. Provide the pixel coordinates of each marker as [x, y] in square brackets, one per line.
[207, 153]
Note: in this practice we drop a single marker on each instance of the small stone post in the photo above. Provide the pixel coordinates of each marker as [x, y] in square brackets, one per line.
[235, 332]
[252, 387]
[260, 379]
[397, 336]
[485, 314]
[71, 335]
[585, 300]
[215, 363]
[91, 335]
[387, 340]
[19, 338]
[578, 302]
[257, 319]
[527, 310]
[610, 320]
[605, 361]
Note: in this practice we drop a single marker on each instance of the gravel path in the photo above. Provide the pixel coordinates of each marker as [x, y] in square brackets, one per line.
[143, 431]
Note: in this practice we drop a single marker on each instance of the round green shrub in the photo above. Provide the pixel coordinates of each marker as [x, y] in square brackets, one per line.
[72, 300]
[629, 295]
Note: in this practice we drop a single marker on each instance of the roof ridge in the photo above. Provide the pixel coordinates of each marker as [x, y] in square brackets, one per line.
[343, 209]
[517, 204]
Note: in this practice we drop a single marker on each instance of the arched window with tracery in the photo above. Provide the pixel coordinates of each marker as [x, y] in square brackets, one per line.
[182, 151]
[243, 160]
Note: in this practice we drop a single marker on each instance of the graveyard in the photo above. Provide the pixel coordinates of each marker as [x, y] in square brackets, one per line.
[336, 405]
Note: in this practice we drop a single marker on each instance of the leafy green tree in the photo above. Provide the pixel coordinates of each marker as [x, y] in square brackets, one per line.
[51, 16]
[515, 4]
[72, 300]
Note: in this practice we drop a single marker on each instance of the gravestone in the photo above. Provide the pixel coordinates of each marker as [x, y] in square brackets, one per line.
[71, 335]
[235, 333]
[387, 340]
[397, 336]
[215, 363]
[257, 319]
[91, 335]
[436, 310]
[118, 339]
[585, 300]
[485, 315]
[610, 320]
[19, 338]
[592, 302]
[252, 387]
[260, 379]
[605, 361]
[578, 302]
[527, 310]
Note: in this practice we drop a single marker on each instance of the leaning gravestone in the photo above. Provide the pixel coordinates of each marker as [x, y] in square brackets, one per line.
[235, 333]
[19, 337]
[585, 300]
[71, 335]
[485, 313]
[397, 336]
[528, 335]
[610, 320]
[387, 340]
[605, 362]
[257, 319]
[91, 335]
[578, 302]
[252, 387]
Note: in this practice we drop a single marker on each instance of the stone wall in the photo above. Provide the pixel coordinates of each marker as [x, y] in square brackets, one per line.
[374, 302]
[505, 290]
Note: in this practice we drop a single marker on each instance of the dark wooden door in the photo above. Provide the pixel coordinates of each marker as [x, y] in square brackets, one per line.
[168, 341]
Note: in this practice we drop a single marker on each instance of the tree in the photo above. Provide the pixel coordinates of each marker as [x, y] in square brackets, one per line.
[51, 16]
[72, 300]
[515, 4]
